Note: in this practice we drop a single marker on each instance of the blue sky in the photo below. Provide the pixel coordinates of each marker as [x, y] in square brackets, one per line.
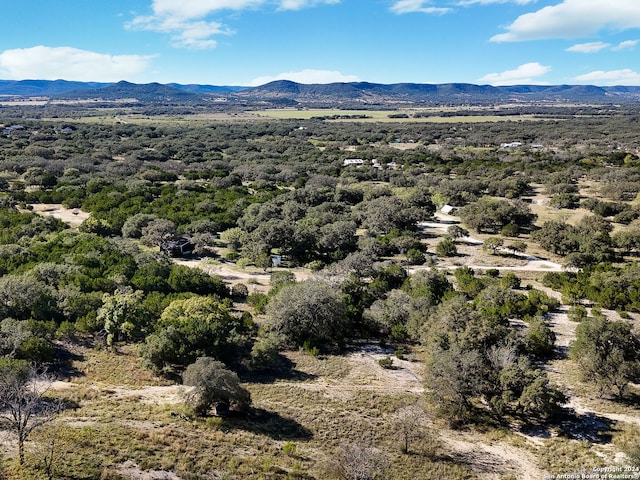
[251, 42]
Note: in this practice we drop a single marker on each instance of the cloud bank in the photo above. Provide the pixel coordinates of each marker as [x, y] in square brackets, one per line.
[52, 63]
[591, 47]
[573, 19]
[525, 74]
[307, 76]
[595, 47]
[187, 22]
[612, 77]
[490, 2]
[401, 7]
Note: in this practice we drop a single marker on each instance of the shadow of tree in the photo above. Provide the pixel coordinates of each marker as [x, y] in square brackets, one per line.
[63, 366]
[271, 424]
[631, 399]
[284, 370]
[588, 427]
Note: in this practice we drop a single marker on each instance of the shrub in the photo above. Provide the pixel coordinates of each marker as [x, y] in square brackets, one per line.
[577, 313]
[415, 257]
[35, 349]
[239, 290]
[214, 385]
[386, 362]
[308, 311]
[232, 256]
[315, 265]
[289, 448]
[399, 333]
[446, 248]
[258, 301]
[511, 280]
[265, 353]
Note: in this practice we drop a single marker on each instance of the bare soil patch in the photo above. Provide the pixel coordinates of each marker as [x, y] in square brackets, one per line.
[471, 253]
[72, 216]
[491, 460]
[364, 373]
[134, 472]
[256, 279]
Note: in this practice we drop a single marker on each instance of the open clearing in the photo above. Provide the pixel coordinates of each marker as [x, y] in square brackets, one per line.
[72, 216]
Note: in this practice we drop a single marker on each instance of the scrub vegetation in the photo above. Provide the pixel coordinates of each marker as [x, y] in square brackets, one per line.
[361, 299]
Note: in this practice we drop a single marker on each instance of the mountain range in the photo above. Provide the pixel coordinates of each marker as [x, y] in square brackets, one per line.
[346, 95]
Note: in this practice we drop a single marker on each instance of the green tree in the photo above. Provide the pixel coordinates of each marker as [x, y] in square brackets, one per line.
[157, 230]
[453, 378]
[494, 244]
[122, 313]
[185, 279]
[456, 231]
[132, 227]
[308, 311]
[446, 248]
[23, 297]
[557, 237]
[539, 338]
[490, 215]
[517, 246]
[196, 327]
[235, 238]
[213, 386]
[607, 353]
[13, 333]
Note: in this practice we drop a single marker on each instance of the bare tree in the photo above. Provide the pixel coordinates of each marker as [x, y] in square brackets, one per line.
[409, 423]
[358, 461]
[23, 403]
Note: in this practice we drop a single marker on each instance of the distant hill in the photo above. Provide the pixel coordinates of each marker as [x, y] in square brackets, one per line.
[194, 88]
[146, 93]
[340, 94]
[44, 88]
[448, 93]
[106, 91]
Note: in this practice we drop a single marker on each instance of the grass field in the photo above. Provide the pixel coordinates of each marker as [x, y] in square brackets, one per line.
[383, 116]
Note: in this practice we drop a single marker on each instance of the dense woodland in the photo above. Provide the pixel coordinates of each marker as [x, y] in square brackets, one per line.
[248, 191]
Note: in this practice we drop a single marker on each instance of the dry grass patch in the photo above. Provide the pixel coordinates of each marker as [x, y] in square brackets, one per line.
[120, 367]
[561, 456]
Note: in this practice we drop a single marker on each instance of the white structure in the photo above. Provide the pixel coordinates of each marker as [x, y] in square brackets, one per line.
[447, 209]
[352, 161]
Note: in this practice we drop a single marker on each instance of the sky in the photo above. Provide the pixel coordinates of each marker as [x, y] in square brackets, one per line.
[252, 42]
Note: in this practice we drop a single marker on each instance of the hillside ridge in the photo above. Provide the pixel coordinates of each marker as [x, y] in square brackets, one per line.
[289, 93]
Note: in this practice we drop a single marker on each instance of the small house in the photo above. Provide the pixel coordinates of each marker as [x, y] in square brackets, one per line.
[352, 161]
[448, 209]
[177, 247]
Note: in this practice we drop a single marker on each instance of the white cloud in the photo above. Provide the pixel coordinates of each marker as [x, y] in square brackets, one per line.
[591, 47]
[488, 2]
[196, 34]
[613, 77]
[416, 6]
[573, 19]
[300, 4]
[186, 20]
[52, 63]
[627, 44]
[594, 47]
[195, 9]
[523, 75]
[307, 76]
